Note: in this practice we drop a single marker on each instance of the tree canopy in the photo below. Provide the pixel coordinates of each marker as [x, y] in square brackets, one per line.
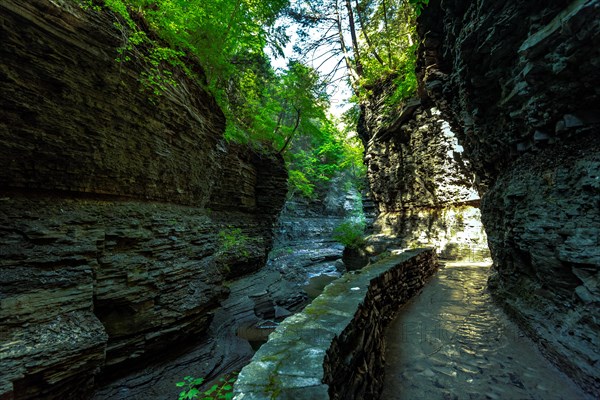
[286, 110]
[370, 40]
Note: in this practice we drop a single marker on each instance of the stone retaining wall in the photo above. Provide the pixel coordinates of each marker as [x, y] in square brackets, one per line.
[334, 348]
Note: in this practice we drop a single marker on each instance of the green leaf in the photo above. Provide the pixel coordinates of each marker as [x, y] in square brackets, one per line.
[180, 384]
[211, 390]
[197, 381]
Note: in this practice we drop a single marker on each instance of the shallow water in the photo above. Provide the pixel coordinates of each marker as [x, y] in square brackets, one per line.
[453, 342]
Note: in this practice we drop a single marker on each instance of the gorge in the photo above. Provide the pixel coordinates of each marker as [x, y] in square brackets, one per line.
[115, 206]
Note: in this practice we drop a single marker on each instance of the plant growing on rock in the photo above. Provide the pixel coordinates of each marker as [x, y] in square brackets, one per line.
[232, 240]
[350, 233]
[223, 390]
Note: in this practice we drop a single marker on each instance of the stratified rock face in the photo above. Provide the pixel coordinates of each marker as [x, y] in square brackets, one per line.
[420, 181]
[59, 65]
[518, 82]
[110, 206]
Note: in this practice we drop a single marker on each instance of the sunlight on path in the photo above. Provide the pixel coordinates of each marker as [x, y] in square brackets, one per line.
[453, 342]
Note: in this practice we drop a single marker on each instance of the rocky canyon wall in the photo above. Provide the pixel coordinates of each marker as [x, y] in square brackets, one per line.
[419, 179]
[111, 206]
[519, 83]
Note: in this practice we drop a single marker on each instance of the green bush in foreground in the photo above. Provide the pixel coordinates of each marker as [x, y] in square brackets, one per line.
[221, 391]
[350, 234]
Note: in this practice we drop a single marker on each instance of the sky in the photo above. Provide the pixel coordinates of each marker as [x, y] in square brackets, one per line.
[339, 91]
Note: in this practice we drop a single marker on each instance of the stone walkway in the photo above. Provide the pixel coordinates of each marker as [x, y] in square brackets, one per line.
[453, 342]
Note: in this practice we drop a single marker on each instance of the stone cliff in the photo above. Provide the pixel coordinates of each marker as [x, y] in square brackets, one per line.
[419, 179]
[111, 206]
[518, 83]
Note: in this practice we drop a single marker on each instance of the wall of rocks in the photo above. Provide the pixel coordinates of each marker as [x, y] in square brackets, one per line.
[110, 206]
[419, 179]
[518, 82]
[334, 348]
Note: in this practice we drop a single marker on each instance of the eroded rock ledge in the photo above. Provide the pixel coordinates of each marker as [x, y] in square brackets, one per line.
[420, 180]
[110, 206]
[334, 347]
[518, 82]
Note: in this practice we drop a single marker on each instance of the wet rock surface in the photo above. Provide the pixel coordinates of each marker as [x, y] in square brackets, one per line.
[518, 82]
[453, 342]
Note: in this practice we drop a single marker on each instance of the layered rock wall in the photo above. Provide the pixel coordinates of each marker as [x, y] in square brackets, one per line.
[419, 179]
[518, 82]
[111, 205]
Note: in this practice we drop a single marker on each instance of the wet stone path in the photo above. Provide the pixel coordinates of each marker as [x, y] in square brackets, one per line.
[453, 342]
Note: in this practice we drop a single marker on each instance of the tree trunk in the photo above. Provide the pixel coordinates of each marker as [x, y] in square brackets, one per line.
[357, 60]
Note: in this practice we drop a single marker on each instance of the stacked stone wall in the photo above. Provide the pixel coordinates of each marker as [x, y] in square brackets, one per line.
[334, 349]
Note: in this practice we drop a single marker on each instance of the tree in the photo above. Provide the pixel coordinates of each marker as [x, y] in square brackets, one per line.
[281, 111]
[386, 27]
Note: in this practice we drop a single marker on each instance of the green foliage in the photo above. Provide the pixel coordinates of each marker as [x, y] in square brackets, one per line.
[299, 182]
[419, 5]
[315, 159]
[223, 390]
[232, 240]
[284, 111]
[395, 43]
[406, 82]
[155, 58]
[219, 34]
[271, 108]
[350, 233]
[89, 5]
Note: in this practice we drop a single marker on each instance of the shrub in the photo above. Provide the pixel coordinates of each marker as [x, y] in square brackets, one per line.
[350, 233]
[232, 240]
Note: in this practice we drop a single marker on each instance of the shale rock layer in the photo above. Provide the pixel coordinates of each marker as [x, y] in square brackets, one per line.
[518, 82]
[420, 180]
[111, 205]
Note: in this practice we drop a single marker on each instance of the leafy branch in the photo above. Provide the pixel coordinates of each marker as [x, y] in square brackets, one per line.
[223, 390]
